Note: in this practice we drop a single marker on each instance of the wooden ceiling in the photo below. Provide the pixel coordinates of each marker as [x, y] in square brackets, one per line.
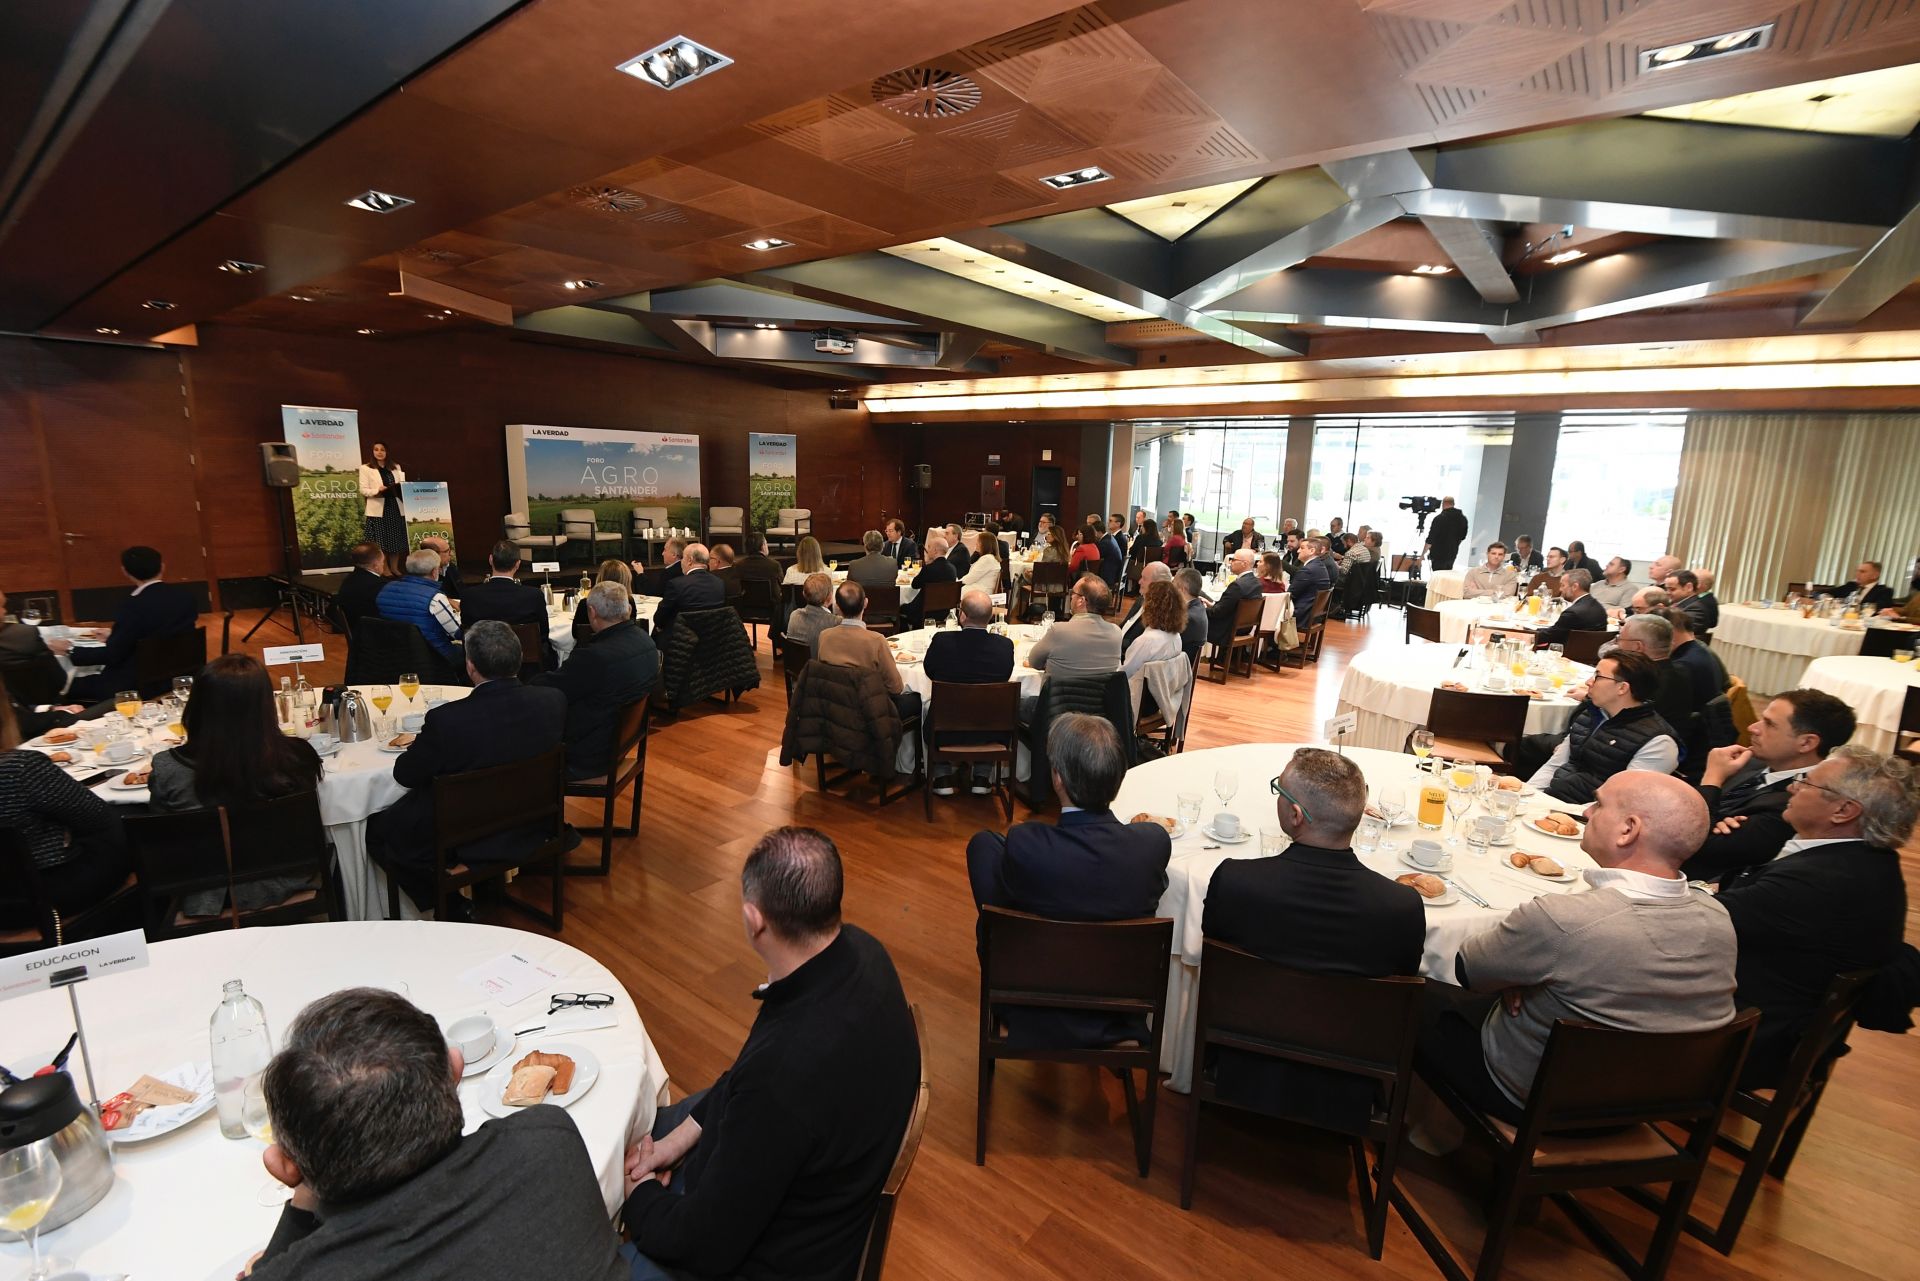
[533, 163]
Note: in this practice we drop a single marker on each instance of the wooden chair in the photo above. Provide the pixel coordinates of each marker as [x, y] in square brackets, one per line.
[1242, 642]
[1466, 725]
[1170, 731]
[485, 802]
[533, 646]
[626, 767]
[158, 659]
[1585, 646]
[758, 607]
[1314, 632]
[793, 661]
[1364, 1027]
[21, 895]
[1906, 740]
[383, 648]
[970, 725]
[1424, 623]
[883, 609]
[1105, 967]
[1591, 1122]
[229, 847]
[873, 1257]
[858, 686]
[937, 600]
[1048, 582]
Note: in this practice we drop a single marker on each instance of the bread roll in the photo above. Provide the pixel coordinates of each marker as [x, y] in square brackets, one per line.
[528, 1085]
[1508, 783]
[1429, 885]
[562, 1068]
[1545, 866]
[60, 736]
[1519, 860]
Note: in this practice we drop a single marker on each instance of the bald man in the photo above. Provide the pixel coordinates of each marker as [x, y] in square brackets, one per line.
[1643, 951]
[1156, 571]
[695, 589]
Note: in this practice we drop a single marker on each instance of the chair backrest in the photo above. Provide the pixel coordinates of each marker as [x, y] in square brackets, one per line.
[1585, 646]
[1910, 712]
[514, 525]
[723, 518]
[501, 798]
[1495, 718]
[533, 643]
[758, 597]
[883, 603]
[21, 894]
[1321, 603]
[1424, 623]
[1791, 589]
[788, 517]
[649, 517]
[628, 733]
[938, 598]
[1592, 1077]
[383, 648]
[220, 848]
[1051, 577]
[1246, 615]
[1826, 1031]
[873, 1259]
[1115, 966]
[578, 522]
[158, 659]
[956, 707]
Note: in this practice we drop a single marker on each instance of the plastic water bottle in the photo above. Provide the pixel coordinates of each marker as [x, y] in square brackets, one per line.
[242, 1044]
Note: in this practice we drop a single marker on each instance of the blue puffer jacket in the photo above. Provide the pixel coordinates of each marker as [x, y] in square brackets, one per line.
[406, 600]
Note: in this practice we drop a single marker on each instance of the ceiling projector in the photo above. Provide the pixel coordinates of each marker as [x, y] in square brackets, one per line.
[833, 342]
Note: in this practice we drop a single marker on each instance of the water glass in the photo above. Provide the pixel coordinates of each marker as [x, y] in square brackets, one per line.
[1367, 837]
[1272, 840]
[1189, 809]
[30, 1179]
[1903, 655]
[182, 687]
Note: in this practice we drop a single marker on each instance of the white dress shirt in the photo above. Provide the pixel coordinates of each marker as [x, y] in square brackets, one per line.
[1644, 886]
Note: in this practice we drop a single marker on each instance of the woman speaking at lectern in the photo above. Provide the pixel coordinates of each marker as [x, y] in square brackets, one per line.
[386, 522]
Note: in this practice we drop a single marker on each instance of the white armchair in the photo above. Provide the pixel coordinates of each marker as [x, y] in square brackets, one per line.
[582, 524]
[726, 521]
[519, 531]
[793, 524]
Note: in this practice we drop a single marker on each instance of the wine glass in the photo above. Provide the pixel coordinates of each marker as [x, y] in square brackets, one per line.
[1390, 801]
[29, 1185]
[1459, 801]
[1225, 783]
[382, 698]
[127, 703]
[182, 687]
[409, 686]
[257, 1120]
[1423, 743]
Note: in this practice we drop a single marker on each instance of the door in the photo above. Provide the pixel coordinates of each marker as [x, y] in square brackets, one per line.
[993, 493]
[1047, 484]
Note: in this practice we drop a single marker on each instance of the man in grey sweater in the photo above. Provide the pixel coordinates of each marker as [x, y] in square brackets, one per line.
[1640, 951]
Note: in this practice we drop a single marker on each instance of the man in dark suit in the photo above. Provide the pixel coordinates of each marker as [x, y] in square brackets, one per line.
[1684, 592]
[1874, 595]
[1244, 586]
[1832, 902]
[1194, 636]
[694, 589]
[1444, 536]
[503, 597]
[155, 608]
[359, 588]
[654, 581]
[1577, 558]
[899, 544]
[1746, 787]
[937, 569]
[1245, 536]
[971, 656]
[1117, 530]
[1314, 576]
[501, 721]
[1088, 867]
[1582, 613]
[1113, 553]
[615, 666]
[29, 662]
[957, 554]
[1525, 558]
[1315, 907]
[874, 569]
[1706, 675]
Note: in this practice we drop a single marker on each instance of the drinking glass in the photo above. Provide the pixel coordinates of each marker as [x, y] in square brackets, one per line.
[1272, 841]
[32, 615]
[1225, 783]
[258, 1122]
[382, 696]
[1459, 801]
[1557, 651]
[1422, 743]
[29, 1185]
[1367, 837]
[1391, 802]
[182, 687]
[1046, 620]
[409, 686]
[1903, 655]
[176, 717]
[127, 703]
[1189, 809]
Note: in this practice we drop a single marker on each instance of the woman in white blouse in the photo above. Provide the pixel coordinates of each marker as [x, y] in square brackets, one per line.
[1163, 616]
[380, 483]
[984, 573]
[807, 560]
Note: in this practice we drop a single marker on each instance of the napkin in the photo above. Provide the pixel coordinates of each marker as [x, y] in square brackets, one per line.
[576, 1019]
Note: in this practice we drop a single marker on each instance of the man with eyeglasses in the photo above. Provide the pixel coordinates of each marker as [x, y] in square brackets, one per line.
[1616, 730]
[1832, 902]
[1314, 907]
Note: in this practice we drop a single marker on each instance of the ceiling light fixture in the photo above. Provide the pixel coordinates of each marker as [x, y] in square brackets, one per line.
[379, 202]
[366, 331]
[767, 242]
[677, 62]
[301, 297]
[1565, 255]
[1076, 178]
[1431, 269]
[157, 304]
[439, 315]
[237, 267]
[582, 283]
[764, 324]
[1687, 52]
[105, 329]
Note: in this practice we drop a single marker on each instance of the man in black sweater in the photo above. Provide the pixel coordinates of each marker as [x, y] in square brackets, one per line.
[359, 590]
[694, 589]
[1444, 536]
[155, 608]
[614, 667]
[777, 1167]
[1746, 788]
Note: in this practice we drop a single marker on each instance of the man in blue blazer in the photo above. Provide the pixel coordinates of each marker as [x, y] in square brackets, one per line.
[155, 608]
[1088, 867]
[971, 656]
[899, 544]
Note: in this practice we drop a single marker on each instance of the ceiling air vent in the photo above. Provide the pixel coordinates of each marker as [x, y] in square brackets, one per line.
[927, 93]
[608, 200]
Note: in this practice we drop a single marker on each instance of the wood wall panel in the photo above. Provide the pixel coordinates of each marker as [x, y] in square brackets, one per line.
[29, 541]
[958, 453]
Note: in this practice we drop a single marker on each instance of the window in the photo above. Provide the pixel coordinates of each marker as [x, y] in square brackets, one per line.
[1613, 481]
[1365, 466]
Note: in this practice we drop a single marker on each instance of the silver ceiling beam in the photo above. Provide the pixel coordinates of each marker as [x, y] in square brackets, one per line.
[1889, 266]
[1469, 244]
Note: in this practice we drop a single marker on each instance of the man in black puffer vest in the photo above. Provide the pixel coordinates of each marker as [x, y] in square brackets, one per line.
[1614, 730]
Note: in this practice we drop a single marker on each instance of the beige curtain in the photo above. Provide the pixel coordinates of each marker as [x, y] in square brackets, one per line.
[1767, 499]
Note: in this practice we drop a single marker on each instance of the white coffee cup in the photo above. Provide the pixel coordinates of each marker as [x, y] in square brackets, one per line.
[120, 750]
[1426, 853]
[1226, 824]
[413, 721]
[324, 743]
[473, 1036]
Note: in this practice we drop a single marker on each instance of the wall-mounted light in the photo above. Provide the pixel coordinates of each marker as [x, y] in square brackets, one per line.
[677, 62]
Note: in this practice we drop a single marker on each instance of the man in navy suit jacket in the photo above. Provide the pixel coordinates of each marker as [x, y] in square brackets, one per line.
[898, 544]
[156, 608]
[696, 588]
[938, 569]
[1582, 613]
[1747, 788]
[1243, 587]
[503, 597]
[971, 656]
[1088, 867]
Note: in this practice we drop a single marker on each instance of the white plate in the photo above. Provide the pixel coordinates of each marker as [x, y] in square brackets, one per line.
[324, 754]
[1530, 825]
[120, 784]
[503, 1042]
[385, 746]
[1567, 877]
[155, 1122]
[1174, 833]
[1206, 830]
[1445, 900]
[586, 1070]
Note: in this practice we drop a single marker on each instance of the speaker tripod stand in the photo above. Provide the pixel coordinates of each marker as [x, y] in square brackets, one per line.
[289, 599]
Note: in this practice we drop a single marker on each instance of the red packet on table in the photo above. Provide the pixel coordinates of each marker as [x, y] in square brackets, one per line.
[118, 1112]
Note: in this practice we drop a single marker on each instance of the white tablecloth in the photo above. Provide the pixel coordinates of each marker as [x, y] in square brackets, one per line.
[1445, 584]
[560, 625]
[1389, 690]
[1153, 787]
[914, 675]
[184, 1206]
[1875, 688]
[1769, 648]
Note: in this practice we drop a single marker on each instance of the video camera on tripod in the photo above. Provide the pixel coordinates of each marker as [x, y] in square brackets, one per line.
[1422, 506]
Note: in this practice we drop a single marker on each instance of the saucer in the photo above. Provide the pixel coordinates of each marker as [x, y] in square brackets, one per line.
[503, 1043]
[1207, 831]
[1440, 869]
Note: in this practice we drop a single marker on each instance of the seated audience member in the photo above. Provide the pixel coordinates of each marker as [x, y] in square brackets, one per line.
[1271, 573]
[875, 569]
[1661, 569]
[1547, 581]
[1833, 902]
[234, 755]
[73, 837]
[1641, 952]
[1706, 677]
[1090, 866]
[936, 569]
[807, 560]
[1577, 558]
[1175, 551]
[1293, 552]
[500, 722]
[983, 566]
[501, 595]
[1495, 578]
[448, 576]
[1337, 537]
[1163, 619]
[695, 589]
[1146, 549]
[1245, 536]
[1746, 788]
[1315, 575]
[754, 563]
[653, 582]
[776, 1169]
[155, 608]
[359, 589]
[1245, 586]
[614, 666]
[1648, 599]
[1582, 613]
[1316, 908]
[1362, 550]
[1683, 591]
[1872, 594]
[1051, 543]
[1287, 526]
[1193, 637]
[1651, 636]
[806, 622]
[848, 643]
[366, 1125]
[1614, 591]
[1525, 560]
[29, 662]
[1709, 605]
[960, 549]
[899, 544]
[1117, 531]
[720, 565]
[1083, 647]
[1113, 555]
[1085, 557]
[1134, 623]
[1615, 731]
[418, 600]
[1907, 610]
[970, 656]
[611, 571]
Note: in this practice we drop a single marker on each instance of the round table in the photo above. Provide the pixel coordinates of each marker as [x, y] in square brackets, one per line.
[1445, 584]
[560, 624]
[909, 648]
[1389, 691]
[1770, 648]
[184, 1206]
[1875, 688]
[1153, 787]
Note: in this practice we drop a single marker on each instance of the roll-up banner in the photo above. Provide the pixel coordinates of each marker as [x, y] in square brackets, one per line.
[327, 507]
[772, 477]
[429, 513]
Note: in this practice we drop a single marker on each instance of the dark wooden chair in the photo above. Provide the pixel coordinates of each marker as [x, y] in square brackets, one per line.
[873, 1258]
[883, 609]
[1109, 696]
[793, 661]
[875, 757]
[1243, 643]
[383, 648]
[1467, 725]
[1906, 740]
[1365, 1027]
[937, 600]
[533, 646]
[1048, 582]
[969, 725]
[1593, 1120]
[503, 798]
[1313, 629]
[158, 659]
[1424, 623]
[23, 898]
[1107, 967]
[626, 768]
[229, 847]
[758, 607]
[1792, 589]
[1170, 731]
[1585, 646]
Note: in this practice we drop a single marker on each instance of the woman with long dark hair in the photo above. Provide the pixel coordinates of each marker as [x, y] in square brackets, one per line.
[72, 837]
[234, 754]
[380, 482]
[1086, 552]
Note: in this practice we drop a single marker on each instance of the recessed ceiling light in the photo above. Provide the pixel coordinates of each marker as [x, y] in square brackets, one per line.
[237, 267]
[677, 62]
[366, 331]
[768, 242]
[1566, 255]
[439, 315]
[1431, 269]
[1687, 52]
[157, 304]
[379, 202]
[764, 324]
[301, 297]
[582, 283]
[105, 329]
[1076, 178]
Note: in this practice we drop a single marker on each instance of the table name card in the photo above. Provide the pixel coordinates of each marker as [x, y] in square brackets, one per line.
[1340, 726]
[546, 567]
[279, 655]
[71, 963]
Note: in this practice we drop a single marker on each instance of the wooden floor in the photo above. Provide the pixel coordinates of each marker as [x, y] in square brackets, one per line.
[1059, 1196]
